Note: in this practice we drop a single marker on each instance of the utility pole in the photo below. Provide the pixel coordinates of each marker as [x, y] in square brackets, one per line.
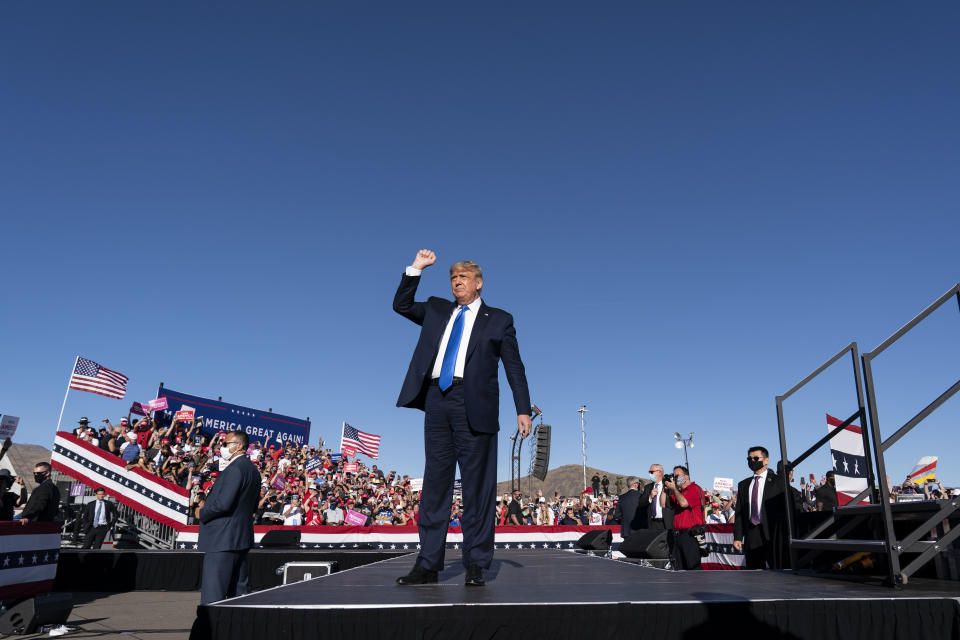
[583, 443]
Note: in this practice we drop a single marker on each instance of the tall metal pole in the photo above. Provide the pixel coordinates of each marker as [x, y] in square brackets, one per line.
[583, 443]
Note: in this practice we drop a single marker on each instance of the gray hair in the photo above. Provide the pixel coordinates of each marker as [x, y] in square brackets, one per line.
[632, 480]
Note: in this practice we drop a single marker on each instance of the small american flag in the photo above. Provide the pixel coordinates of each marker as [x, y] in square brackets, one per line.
[92, 377]
[366, 443]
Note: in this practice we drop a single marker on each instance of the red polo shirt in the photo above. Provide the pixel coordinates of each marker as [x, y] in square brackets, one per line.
[684, 518]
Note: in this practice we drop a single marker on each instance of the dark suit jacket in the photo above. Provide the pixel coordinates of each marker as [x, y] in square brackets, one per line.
[772, 507]
[626, 512]
[492, 339]
[44, 503]
[643, 509]
[90, 511]
[226, 519]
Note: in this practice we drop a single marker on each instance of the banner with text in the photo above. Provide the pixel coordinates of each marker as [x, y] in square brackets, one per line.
[262, 426]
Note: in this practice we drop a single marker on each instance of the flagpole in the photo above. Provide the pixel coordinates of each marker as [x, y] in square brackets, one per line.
[343, 427]
[64, 405]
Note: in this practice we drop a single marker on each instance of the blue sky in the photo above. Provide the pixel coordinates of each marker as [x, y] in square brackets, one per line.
[686, 208]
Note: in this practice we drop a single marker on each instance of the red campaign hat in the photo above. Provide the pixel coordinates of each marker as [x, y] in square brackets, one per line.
[588, 490]
[272, 447]
[215, 474]
[164, 440]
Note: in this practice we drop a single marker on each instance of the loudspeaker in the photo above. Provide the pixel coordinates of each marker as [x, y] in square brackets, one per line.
[599, 540]
[541, 456]
[29, 615]
[646, 543]
[281, 538]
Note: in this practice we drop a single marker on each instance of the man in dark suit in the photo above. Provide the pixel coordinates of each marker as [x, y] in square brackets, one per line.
[226, 523]
[626, 510]
[760, 508]
[650, 513]
[44, 502]
[99, 516]
[453, 378]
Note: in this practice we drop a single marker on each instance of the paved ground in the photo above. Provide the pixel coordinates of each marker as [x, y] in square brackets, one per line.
[150, 615]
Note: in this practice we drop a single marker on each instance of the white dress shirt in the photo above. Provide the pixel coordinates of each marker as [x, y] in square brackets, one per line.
[658, 510]
[469, 317]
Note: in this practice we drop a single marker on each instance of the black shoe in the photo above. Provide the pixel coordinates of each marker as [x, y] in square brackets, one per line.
[418, 575]
[474, 576]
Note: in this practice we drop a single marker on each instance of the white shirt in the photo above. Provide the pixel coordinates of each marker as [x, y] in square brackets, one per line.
[763, 482]
[469, 317]
[658, 510]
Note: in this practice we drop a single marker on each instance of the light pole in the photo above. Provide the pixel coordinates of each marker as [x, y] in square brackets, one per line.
[683, 443]
[583, 443]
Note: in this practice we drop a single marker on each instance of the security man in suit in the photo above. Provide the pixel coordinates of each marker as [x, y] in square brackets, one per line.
[626, 510]
[650, 513]
[453, 378]
[99, 516]
[44, 502]
[760, 508]
[226, 522]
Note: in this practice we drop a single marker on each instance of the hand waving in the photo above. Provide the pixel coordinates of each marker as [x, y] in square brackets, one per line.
[424, 259]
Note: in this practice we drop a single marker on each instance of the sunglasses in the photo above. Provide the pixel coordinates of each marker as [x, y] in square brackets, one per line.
[754, 458]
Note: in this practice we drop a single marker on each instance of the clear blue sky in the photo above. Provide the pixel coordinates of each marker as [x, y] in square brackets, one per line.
[687, 208]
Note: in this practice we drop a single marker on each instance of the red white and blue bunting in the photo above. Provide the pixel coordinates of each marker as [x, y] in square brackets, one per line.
[28, 558]
[154, 497]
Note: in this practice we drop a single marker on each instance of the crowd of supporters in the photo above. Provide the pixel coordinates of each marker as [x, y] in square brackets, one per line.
[308, 485]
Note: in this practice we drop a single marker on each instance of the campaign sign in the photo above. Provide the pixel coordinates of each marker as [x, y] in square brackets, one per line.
[349, 451]
[335, 458]
[139, 409]
[722, 484]
[185, 414]
[457, 487]
[262, 426]
[416, 484]
[351, 467]
[158, 405]
[279, 483]
[355, 518]
[313, 464]
[8, 426]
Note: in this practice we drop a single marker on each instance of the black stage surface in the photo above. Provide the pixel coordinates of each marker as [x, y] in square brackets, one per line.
[141, 570]
[556, 594]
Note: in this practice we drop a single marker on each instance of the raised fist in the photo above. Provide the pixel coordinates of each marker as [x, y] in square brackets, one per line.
[424, 259]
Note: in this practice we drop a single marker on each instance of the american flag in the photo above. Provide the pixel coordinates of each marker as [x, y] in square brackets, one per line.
[92, 377]
[366, 443]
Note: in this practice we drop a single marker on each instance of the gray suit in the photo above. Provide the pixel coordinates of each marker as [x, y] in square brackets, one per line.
[226, 531]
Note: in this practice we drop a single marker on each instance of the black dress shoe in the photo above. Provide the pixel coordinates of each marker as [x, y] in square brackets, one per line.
[418, 575]
[474, 576]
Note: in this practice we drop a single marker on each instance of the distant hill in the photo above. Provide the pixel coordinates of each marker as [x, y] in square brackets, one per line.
[567, 480]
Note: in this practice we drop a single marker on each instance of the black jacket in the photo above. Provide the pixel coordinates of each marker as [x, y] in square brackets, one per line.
[643, 509]
[44, 503]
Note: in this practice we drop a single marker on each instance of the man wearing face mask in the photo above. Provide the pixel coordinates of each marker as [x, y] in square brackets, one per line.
[44, 502]
[226, 522]
[650, 513]
[685, 498]
[760, 509]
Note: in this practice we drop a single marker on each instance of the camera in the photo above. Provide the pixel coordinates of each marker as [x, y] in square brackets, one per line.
[668, 477]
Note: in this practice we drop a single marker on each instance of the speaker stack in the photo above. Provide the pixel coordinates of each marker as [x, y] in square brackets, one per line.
[646, 543]
[541, 457]
[29, 615]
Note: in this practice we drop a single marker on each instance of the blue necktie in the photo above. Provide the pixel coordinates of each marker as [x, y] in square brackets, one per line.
[450, 355]
[98, 518]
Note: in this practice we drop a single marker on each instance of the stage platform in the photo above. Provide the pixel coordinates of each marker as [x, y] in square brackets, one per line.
[558, 594]
[141, 570]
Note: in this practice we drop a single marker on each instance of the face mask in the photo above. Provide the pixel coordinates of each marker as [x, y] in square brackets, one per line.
[225, 452]
[39, 477]
[755, 465]
[681, 480]
[653, 477]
